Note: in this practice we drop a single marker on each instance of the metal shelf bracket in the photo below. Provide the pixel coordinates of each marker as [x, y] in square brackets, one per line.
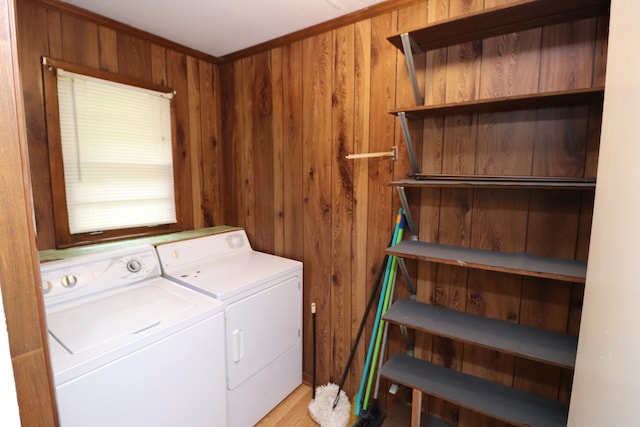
[407, 213]
[409, 46]
[404, 125]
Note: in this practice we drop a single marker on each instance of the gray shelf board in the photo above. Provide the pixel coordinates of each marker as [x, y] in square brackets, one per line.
[506, 262]
[504, 19]
[563, 98]
[437, 422]
[494, 400]
[503, 184]
[532, 343]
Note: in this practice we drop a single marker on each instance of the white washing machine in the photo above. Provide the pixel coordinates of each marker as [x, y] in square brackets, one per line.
[131, 348]
[262, 297]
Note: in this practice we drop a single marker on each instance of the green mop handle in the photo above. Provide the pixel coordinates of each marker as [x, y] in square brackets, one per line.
[385, 306]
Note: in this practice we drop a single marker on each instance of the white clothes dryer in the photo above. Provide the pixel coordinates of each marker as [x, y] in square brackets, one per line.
[262, 297]
[129, 347]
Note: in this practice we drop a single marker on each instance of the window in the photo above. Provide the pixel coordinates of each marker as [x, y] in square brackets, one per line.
[111, 156]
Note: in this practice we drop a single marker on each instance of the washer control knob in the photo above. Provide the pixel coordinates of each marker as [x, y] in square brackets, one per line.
[235, 241]
[69, 281]
[46, 286]
[134, 265]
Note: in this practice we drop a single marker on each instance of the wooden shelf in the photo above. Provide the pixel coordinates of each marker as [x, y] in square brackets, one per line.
[505, 19]
[505, 103]
[507, 262]
[495, 400]
[449, 181]
[582, 96]
[519, 340]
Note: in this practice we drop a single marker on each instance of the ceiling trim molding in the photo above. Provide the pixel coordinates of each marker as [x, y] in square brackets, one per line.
[119, 26]
[351, 18]
[369, 12]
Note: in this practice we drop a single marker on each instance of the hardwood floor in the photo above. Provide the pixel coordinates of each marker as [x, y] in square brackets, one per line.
[294, 412]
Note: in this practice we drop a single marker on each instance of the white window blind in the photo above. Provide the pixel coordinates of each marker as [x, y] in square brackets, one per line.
[117, 154]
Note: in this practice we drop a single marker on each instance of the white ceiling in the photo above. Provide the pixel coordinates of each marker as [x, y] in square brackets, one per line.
[221, 27]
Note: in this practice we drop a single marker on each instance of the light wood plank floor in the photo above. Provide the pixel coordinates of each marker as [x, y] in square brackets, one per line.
[291, 412]
[294, 412]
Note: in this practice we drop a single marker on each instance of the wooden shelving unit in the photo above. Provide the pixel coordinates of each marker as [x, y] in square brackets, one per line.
[508, 103]
[522, 15]
[583, 96]
[544, 346]
[478, 181]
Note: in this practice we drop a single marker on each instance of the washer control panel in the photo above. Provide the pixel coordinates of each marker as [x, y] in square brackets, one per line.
[204, 248]
[86, 275]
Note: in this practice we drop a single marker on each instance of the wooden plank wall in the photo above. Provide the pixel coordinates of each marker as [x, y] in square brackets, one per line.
[328, 95]
[264, 138]
[54, 30]
[18, 281]
[325, 205]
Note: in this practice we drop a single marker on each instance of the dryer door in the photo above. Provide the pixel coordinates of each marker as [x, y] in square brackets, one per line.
[262, 327]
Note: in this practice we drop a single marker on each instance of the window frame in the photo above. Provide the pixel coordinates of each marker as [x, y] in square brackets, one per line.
[63, 236]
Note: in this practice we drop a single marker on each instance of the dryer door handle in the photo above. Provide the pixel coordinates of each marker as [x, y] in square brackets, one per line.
[237, 345]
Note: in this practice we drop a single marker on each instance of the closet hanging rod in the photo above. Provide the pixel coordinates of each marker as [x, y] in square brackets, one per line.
[393, 154]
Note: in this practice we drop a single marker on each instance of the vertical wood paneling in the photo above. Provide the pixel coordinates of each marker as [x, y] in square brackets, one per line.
[211, 161]
[381, 130]
[195, 140]
[293, 172]
[244, 150]
[277, 125]
[177, 79]
[228, 132]
[361, 273]
[263, 153]
[380, 215]
[342, 194]
[600, 51]
[79, 41]
[134, 57]
[19, 281]
[32, 47]
[108, 42]
[317, 71]
[54, 31]
[158, 65]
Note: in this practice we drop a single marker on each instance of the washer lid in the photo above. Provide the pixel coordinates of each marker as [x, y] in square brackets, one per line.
[93, 323]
